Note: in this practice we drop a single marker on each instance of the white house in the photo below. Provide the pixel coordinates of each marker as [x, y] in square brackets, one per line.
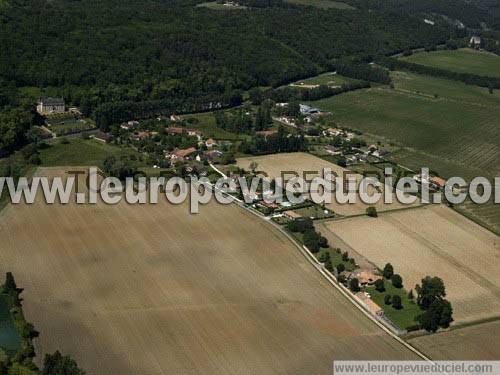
[50, 105]
[475, 42]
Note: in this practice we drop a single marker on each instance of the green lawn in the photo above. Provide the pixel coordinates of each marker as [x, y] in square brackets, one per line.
[324, 4]
[209, 128]
[10, 341]
[71, 126]
[315, 212]
[81, 152]
[405, 317]
[462, 61]
[328, 79]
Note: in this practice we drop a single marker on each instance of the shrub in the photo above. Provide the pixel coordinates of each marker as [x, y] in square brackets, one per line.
[387, 299]
[354, 285]
[379, 286]
[396, 302]
[340, 267]
[397, 281]
[388, 271]
[372, 212]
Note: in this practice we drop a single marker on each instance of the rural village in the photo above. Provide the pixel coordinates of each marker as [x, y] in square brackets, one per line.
[408, 279]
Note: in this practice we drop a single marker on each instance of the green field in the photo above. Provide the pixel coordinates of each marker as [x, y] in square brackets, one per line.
[328, 79]
[324, 4]
[447, 126]
[81, 152]
[462, 61]
[10, 341]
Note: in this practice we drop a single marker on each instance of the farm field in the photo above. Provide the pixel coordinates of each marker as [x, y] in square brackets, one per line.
[151, 289]
[81, 152]
[432, 241]
[445, 131]
[465, 60]
[487, 215]
[482, 343]
[274, 165]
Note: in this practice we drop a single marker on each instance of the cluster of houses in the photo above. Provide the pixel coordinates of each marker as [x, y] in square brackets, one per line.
[356, 155]
[190, 154]
[309, 114]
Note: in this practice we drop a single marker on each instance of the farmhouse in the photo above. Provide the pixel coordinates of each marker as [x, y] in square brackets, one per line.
[307, 110]
[129, 125]
[144, 135]
[438, 182]
[51, 105]
[103, 137]
[183, 154]
[210, 143]
[331, 150]
[366, 277]
[292, 215]
[475, 42]
[334, 132]
[271, 205]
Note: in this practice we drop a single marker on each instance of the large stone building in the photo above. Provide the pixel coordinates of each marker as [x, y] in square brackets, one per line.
[51, 105]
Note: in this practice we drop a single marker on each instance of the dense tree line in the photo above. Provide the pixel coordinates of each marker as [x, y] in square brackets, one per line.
[276, 143]
[468, 78]
[289, 93]
[363, 71]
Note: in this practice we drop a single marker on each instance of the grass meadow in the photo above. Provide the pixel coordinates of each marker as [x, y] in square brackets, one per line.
[464, 60]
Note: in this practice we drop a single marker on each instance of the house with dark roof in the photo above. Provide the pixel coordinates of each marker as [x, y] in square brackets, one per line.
[50, 105]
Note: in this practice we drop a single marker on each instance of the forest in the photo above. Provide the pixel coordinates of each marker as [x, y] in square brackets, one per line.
[108, 51]
[121, 60]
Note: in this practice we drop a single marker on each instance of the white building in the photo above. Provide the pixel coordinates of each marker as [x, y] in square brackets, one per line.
[51, 105]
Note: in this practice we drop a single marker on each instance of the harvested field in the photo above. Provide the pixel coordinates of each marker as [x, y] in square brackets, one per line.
[274, 165]
[151, 289]
[478, 342]
[435, 241]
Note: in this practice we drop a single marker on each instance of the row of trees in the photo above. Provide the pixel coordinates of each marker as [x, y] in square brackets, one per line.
[288, 93]
[468, 78]
[276, 143]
